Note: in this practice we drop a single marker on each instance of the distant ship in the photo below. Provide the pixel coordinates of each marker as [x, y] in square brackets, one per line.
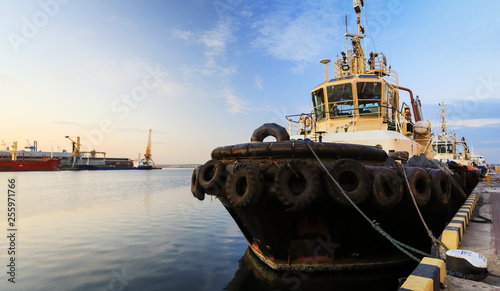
[29, 165]
[91, 162]
[448, 148]
[12, 162]
[457, 155]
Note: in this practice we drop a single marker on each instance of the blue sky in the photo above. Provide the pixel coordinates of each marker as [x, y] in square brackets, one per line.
[207, 73]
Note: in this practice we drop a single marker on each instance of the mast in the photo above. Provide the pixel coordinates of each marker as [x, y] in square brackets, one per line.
[357, 8]
[358, 61]
[345, 34]
[444, 131]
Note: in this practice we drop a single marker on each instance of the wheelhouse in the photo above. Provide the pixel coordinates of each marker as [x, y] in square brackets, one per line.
[364, 100]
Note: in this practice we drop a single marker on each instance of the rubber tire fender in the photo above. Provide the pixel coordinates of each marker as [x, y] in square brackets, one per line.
[420, 185]
[297, 184]
[212, 177]
[196, 188]
[270, 129]
[387, 188]
[441, 186]
[457, 192]
[244, 185]
[354, 179]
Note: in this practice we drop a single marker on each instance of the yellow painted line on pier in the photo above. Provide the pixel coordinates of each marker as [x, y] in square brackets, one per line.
[454, 231]
[428, 276]
[431, 272]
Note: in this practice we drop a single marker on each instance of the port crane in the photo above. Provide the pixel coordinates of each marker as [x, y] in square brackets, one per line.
[75, 154]
[12, 151]
[76, 145]
[33, 147]
[5, 145]
[147, 156]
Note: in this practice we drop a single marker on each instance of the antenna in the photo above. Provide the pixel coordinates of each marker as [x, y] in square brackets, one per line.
[346, 39]
[364, 22]
[325, 62]
[390, 48]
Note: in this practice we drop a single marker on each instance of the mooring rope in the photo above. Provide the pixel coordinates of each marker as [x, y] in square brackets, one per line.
[437, 243]
[401, 246]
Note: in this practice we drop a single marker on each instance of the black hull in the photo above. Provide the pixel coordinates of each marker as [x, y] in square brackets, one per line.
[328, 234]
[253, 274]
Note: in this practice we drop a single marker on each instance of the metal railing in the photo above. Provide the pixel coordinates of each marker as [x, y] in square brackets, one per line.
[297, 123]
[301, 124]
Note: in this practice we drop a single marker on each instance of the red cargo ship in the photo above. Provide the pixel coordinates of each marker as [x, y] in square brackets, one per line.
[44, 164]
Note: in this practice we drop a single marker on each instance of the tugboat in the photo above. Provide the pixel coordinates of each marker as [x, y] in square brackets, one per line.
[342, 188]
[448, 147]
[456, 154]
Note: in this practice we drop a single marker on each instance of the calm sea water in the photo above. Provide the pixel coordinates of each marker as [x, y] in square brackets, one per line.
[118, 230]
[131, 230]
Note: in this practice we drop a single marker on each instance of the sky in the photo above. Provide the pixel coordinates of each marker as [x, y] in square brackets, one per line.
[203, 74]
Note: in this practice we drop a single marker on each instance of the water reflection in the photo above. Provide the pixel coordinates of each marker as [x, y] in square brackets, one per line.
[124, 230]
[252, 274]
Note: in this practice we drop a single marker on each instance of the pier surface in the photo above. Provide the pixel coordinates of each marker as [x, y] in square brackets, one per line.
[483, 238]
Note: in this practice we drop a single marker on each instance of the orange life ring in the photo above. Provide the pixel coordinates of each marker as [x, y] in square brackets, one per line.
[307, 122]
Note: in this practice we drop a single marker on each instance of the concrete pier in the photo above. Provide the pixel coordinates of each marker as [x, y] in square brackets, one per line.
[483, 238]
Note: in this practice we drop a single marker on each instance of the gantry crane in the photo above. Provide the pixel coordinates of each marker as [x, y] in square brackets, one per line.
[33, 147]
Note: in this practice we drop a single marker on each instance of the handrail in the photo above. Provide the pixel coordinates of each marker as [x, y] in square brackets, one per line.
[398, 118]
[412, 101]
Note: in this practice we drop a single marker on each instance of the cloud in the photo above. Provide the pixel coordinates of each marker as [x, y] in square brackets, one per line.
[235, 104]
[216, 39]
[182, 34]
[139, 130]
[480, 122]
[246, 13]
[171, 88]
[489, 141]
[61, 122]
[296, 33]
[216, 43]
[259, 81]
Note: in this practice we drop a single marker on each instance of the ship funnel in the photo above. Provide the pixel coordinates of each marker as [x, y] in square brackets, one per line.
[418, 107]
[326, 61]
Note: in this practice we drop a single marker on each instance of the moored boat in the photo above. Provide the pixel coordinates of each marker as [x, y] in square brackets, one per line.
[12, 162]
[447, 147]
[456, 154]
[45, 164]
[113, 167]
[342, 187]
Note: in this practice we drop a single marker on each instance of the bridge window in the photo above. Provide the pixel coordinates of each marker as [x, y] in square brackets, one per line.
[450, 148]
[369, 97]
[319, 104]
[444, 148]
[340, 101]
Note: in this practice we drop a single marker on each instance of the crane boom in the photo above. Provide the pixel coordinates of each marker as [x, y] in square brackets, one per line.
[76, 145]
[147, 155]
